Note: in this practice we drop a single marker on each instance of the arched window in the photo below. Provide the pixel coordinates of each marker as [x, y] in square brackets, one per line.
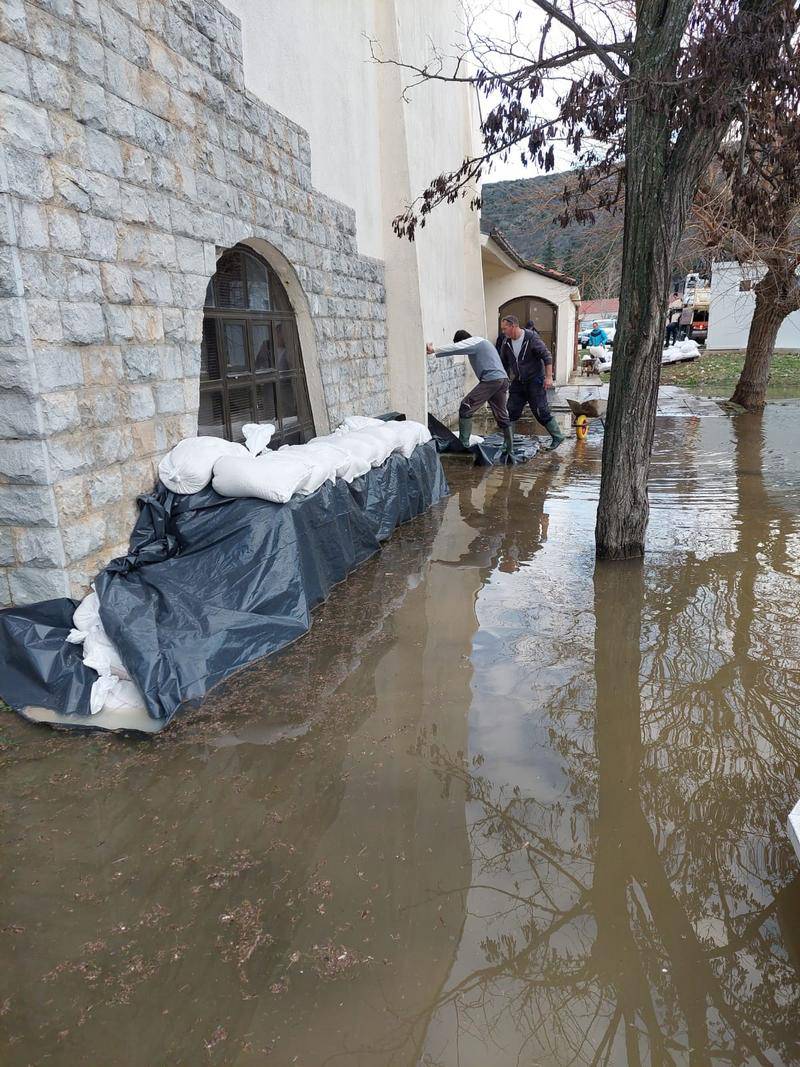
[251, 366]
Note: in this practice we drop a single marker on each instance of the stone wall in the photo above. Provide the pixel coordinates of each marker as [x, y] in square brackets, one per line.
[447, 384]
[131, 155]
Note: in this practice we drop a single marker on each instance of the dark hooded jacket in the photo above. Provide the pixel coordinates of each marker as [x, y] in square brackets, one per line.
[533, 357]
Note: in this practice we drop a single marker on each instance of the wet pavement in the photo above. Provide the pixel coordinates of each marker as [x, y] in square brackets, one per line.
[499, 807]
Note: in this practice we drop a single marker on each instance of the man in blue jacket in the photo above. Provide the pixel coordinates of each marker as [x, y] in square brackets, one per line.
[529, 366]
[596, 337]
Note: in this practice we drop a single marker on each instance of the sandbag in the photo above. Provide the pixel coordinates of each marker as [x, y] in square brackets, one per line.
[375, 446]
[100, 654]
[405, 435]
[275, 476]
[188, 467]
[335, 460]
[87, 615]
[359, 422]
[257, 436]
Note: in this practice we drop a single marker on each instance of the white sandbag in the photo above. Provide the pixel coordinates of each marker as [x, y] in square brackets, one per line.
[110, 693]
[275, 476]
[257, 436]
[597, 351]
[358, 422]
[336, 461]
[87, 615]
[361, 443]
[687, 348]
[188, 467]
[409, 434]
[101, 655]
[475, 439]
[358, 454]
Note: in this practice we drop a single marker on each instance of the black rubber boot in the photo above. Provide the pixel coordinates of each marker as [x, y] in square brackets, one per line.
[508, 442]
[554, 430]
[464, 431]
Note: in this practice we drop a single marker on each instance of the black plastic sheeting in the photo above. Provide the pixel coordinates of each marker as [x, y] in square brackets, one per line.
[211, 584]
[487, 454]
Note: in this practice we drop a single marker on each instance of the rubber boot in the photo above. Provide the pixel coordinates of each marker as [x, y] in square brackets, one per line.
[508, 443]
[554, 430]
[464, 431]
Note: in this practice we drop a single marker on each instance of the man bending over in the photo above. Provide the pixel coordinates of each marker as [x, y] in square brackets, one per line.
[492, 387]
[529, 364]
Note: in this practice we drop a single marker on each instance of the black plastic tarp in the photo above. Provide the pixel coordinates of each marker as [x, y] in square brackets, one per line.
[489, 452]
[211, 584]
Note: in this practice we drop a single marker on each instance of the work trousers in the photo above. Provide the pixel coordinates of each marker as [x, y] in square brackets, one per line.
[530, 392]
[495, 394]
[672, 333]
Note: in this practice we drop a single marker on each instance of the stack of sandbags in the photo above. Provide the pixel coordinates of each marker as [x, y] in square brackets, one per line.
[114, 689]
[188, 467]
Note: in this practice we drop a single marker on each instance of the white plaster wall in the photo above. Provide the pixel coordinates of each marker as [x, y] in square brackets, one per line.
[730, 311]
[375, 151]
[501, 286]
[310, 61]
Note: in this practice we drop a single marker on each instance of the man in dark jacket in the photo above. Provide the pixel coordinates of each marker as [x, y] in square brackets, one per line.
[529, 366]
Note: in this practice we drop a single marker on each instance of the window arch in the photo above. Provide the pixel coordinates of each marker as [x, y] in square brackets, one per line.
[251, 367]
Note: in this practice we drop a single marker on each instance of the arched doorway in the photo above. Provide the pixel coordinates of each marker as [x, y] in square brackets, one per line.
[251, 367]
[542, 313]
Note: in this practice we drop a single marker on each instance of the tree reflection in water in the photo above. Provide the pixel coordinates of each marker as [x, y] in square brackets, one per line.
[649, 913]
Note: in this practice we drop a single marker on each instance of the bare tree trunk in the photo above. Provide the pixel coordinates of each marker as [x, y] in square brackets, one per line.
[770, 311]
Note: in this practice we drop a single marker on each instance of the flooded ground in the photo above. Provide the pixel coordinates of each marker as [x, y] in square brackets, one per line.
[498, 808]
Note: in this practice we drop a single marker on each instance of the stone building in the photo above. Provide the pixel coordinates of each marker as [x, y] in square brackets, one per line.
[196, 223]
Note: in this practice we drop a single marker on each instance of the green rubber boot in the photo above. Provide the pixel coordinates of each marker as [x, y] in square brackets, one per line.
[464, 431]
[508, 441]
[554, 430]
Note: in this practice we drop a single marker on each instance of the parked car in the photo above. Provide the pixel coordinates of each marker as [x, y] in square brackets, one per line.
[609, 325]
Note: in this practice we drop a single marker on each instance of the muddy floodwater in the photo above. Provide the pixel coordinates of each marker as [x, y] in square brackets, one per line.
[499, 807]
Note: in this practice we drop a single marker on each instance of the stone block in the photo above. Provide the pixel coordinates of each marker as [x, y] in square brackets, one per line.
[71, 496]
[155, 94]
[28, 174]
[143, 437]
[12, 322]
[122, 78]
[69, 455]
[99, 407]
[102, 365]
[170, 398]
[60, 412]
[117, 283]
[49, 84]
[13, 24]
[69, 139]
[83, 279]
[137, 164]
[119, 323]
[39, 548]
[27, 505]
[134, 246]
[88, 55]
[142, 362]
[152, 133]
[30, 222]
[100, 238]
[58, 368]
[83, 537]
[148, 324]
[115, 28]
[14, 72]
[72, 186]
[133, 205]
[140, 403]
[20, 415]
[17, 370]
[112, 445]
[89, 103]
[103, 154]
[29, 585]
[120, 117]
[104, 192]
[105, 487]
[24, 461]
[87, 13]
[83, 324]
[65, 230]
[26, 126]
[152, 286]
[10, 281]
[174, 327]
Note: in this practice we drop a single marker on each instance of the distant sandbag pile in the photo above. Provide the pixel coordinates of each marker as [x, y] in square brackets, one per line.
[248, 470]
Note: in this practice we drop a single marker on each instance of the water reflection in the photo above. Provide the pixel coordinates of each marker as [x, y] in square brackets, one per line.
[636, 907]
[499, 807]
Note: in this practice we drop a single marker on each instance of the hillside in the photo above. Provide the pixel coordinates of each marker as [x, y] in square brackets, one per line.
[526, 211]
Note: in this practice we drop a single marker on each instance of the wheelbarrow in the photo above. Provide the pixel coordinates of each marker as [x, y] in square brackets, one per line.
[583, 410]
